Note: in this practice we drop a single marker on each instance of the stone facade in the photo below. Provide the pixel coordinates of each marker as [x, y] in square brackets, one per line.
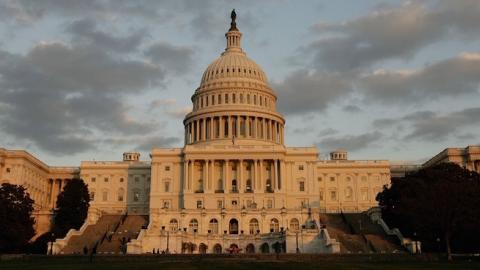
[468, 157]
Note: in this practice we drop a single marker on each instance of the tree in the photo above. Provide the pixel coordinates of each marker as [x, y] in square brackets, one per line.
[72, 207]
[16, 221]
[433, 204]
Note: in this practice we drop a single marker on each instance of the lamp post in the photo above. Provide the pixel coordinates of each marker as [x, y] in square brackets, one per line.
[168, 242]
[51, 243]
[297, 250]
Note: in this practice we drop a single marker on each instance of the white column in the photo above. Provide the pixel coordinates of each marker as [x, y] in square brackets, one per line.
[261, 181]
[275, 175]
[241, 185]
[206, 182]
[192, 175]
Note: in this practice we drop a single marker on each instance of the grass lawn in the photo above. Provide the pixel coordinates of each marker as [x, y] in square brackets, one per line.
[231, 265]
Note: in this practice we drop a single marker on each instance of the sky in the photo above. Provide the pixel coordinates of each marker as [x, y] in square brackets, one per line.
[91, 79]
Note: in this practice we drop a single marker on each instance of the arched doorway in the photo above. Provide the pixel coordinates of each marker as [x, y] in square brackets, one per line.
[217, 249]
[202, 249]
[250, 248]
[233, 226]
[233, 249]
[264, 248]
[277, 247]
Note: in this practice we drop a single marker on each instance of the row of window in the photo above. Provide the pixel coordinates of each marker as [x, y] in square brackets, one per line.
[233, 70]
[348, 194]
[233, 228]
[120, 195]
[121, 180]
[363, 178]
[232, 98]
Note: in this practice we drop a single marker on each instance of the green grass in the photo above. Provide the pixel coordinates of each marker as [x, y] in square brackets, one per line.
[231, 265]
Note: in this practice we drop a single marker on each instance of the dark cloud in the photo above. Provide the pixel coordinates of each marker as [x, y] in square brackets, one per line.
[352, 109]
[448, 78]
[149, 143]
[175, 58]
[64, 98]
[392, 33]
[303, 92]
[85, 32]
[431, 126]
[350, 142]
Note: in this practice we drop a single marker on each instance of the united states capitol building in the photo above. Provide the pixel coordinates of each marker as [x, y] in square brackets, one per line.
[234, 186]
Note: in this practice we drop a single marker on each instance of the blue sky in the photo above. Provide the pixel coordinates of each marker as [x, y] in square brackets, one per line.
[83, 80]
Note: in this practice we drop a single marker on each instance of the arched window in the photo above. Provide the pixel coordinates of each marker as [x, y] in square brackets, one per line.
[234, 186]
[193, 225]
[248, 186]
[173, 225]
[274, 225]
[233, 226]
[294, 225]
[213, 226]
[120, 194]
[253, 226]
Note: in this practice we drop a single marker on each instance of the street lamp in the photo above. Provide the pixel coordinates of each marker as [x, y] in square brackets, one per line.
[51, 243]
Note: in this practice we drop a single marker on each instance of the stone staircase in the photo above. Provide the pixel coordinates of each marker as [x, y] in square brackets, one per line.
[358, 234]
[115, 242]
[92, 235]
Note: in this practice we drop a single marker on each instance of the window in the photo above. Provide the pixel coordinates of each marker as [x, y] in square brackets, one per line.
[321, 195]
[364, 195]
[348, 179]
[234, 203]
[213, 226]
[121, 180]
[8, 170]
[226, 98]
[167, 168]
[300, 167]
[274, 225]
[269, 204]
[193, 225]
[136, 195]
[105, 195]
[105, 179]
[92, 195]
[120, 194]
[319, 179]
[348, 193]
[219, 204]
[166, 204]
[93, 179]
[301, 186]
[173, 225]
[294, 225]
[199, 204]
[137, 179]
[253, 226]
[333, 195]
[332, 179]
[167, 186]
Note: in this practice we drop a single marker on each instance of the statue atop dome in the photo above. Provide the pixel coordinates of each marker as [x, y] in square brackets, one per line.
[233, 24]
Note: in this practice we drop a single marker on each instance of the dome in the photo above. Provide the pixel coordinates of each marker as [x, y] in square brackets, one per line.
[233, 65]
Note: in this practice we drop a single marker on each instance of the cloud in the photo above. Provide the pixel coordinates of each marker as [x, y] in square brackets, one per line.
[352, 109]
[85, 32]
[303, 92]
[149, 143]
[175, 58]
[431, 126]
[327, 132]
[63, 98]
[397, 32]
[350, 142]
[447, 78]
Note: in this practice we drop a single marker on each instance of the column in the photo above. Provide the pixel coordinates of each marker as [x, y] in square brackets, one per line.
[185, 175]
[212, 127]
[281, 177]
[221, 127]
[206, 182]
[226, 181]
[213, 181]
[274, 131]
[192, 175]
[247, 126]
[241, 185]
[197, 131]
[264, 127]
[229, 127]
[238, 126]
[275, 175]
[261, 181]
[254, 175]
[204, 129]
